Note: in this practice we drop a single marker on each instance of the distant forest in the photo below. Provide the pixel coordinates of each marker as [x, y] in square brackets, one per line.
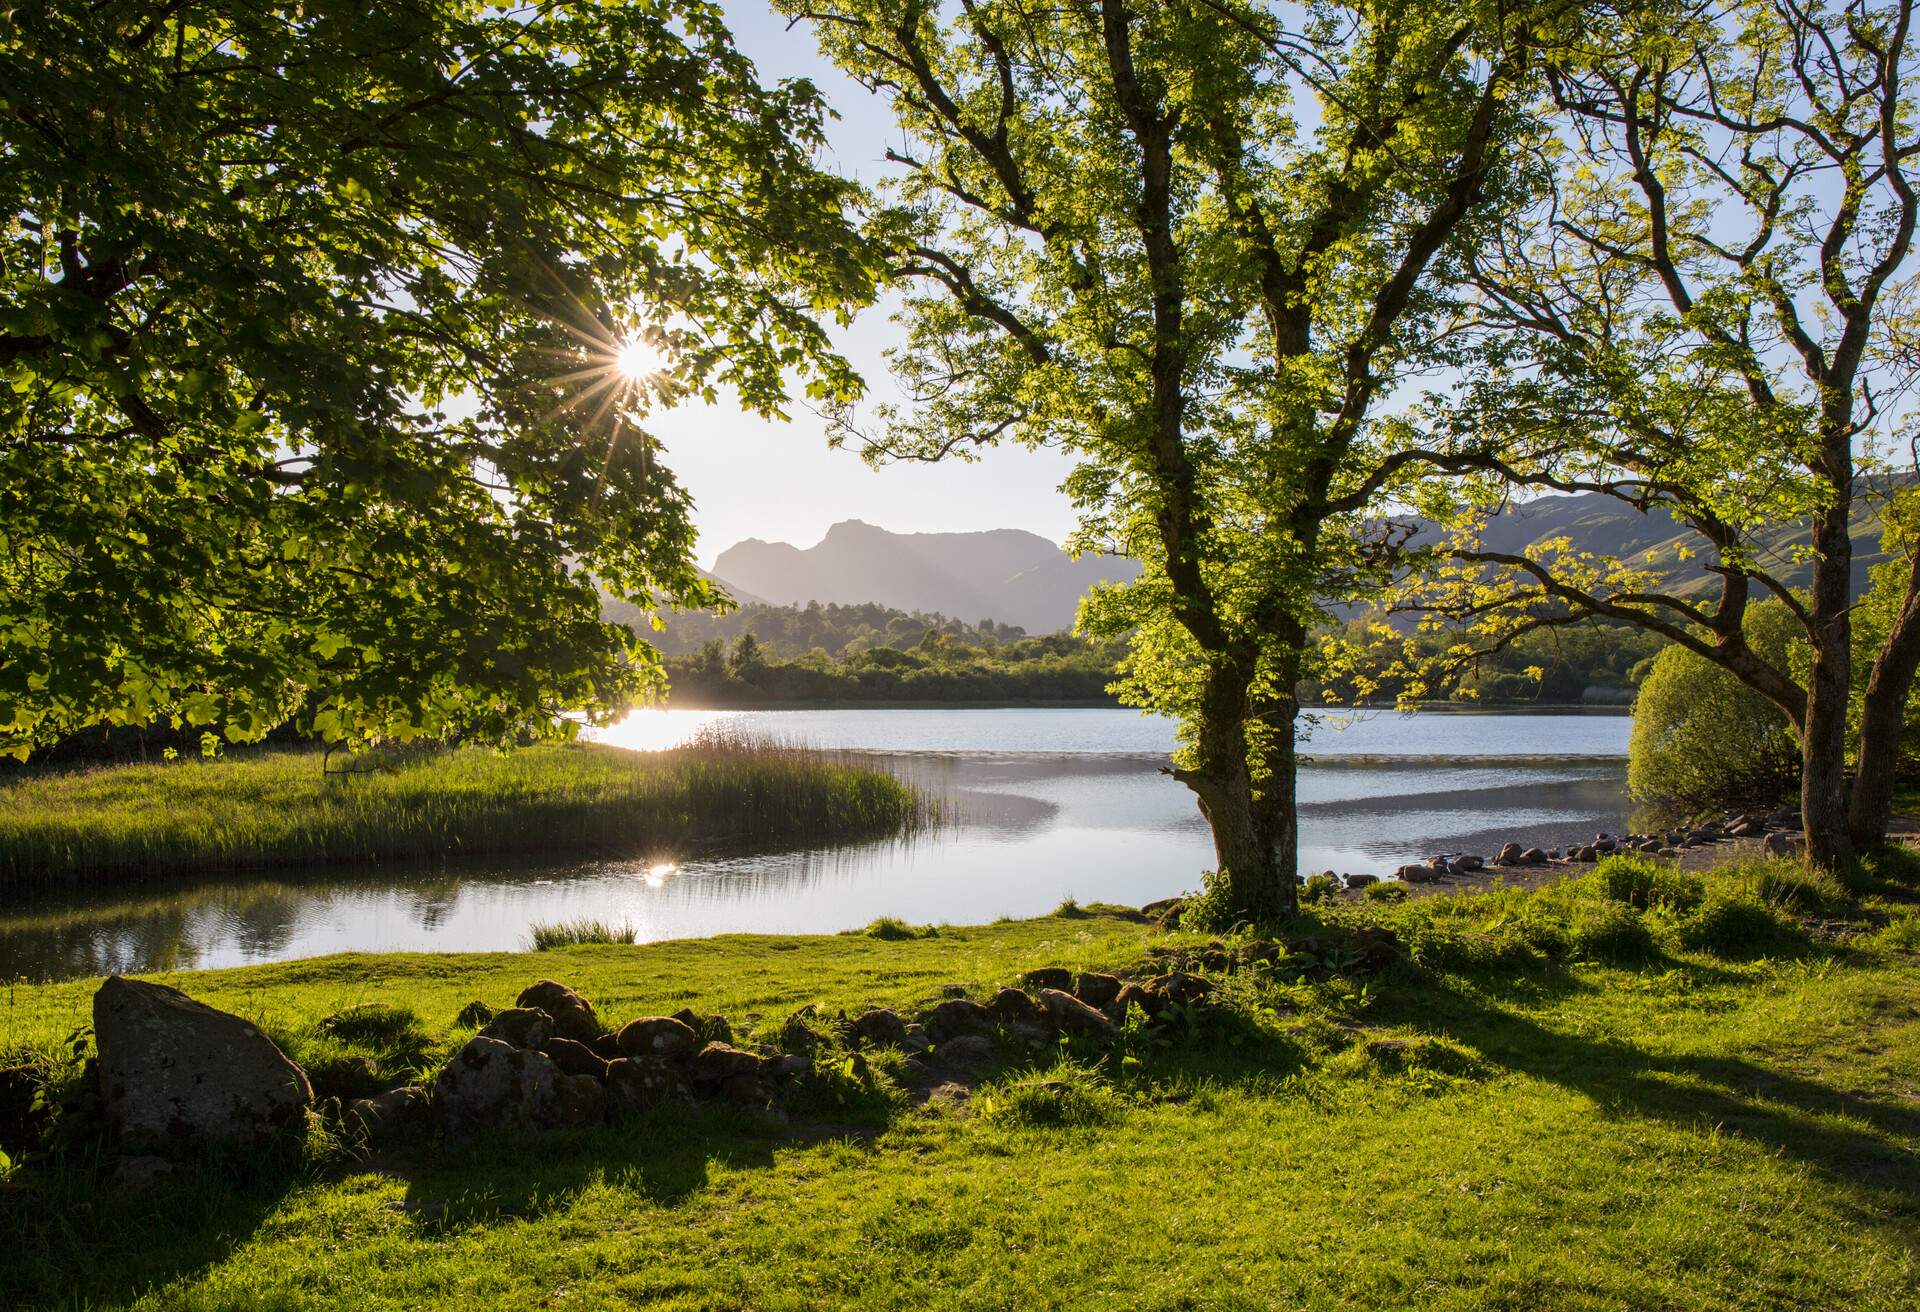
[762, 655]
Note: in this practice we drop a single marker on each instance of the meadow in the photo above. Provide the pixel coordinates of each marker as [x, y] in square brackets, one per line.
[1632, 1090]
[292, 808]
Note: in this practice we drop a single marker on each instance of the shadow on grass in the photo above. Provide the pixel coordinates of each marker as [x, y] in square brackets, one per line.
[1860, 1142]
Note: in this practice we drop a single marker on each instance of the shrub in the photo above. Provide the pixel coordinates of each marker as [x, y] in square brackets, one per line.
[894, 929]
[1644, 883]
[1319, 888]
[1704, 740]
[1902, 933]
[1610, 931]
[1068, 1094]
[1394, 892]
[1794, 888]
[572, 933]
[1740, 926]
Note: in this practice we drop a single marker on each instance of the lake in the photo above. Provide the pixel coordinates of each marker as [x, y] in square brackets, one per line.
[1043, 804]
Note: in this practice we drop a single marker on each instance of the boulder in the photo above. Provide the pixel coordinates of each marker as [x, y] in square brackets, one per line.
[139, 1173]
[1467, 865]
[639, 1084]
[1052, 977]
[746, 1090]
[520, 1027]
[1510, 855]
[1096, 989]
[172, 1069]
[917, 1040]
[575, 1058]
[1588, 853]
[711, 1029]
[386, 1117]
[881, 1028]
[573, 1016]
[579, 1100]
[1072, 1015]
[1144, 996]
[1417, 874]
[718, 1062]
[1781, 844]
[658, 1036]
[1012, 1007]
[493, 1087]
[1361, 881]
[1181, 987]
[957, 1016]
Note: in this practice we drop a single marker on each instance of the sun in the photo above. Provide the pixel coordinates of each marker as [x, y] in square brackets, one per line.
[639, 360]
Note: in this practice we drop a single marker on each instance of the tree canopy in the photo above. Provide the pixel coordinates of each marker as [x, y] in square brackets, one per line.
[326, 331]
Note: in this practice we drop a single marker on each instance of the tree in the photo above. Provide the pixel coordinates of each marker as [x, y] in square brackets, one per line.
[746, 657]
[324, 336]
[1709, 313]
[1120, 231]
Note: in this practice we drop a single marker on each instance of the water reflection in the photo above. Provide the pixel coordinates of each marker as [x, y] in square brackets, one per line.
[1025, 830]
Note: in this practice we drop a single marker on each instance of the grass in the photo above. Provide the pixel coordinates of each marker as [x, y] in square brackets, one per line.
[575, 933]
[1504, 1119]
[266, 809]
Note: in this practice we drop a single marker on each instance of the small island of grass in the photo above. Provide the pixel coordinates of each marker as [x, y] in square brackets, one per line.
[286, 808]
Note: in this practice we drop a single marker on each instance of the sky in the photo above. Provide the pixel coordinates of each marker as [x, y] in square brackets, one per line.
[754, 478]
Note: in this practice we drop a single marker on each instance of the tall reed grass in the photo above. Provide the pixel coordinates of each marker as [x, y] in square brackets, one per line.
[280, 808]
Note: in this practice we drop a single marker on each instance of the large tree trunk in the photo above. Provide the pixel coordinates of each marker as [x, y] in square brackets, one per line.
[1823, 778]
[1255, 830]
[1882, 718]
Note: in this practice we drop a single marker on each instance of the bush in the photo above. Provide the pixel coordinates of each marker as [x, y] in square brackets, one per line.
[1610, 931]
[1644, 883]
[1068, 1094]
[1741, 926]
[1318, 888]
[1703, 740]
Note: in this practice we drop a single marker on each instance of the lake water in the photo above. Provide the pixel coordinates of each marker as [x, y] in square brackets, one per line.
[1044, 804]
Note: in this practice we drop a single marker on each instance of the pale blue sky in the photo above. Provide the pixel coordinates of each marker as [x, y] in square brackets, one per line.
[751, 478]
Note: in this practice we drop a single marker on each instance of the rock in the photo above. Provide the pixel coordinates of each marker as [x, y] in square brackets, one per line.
[1170, 916]
[1050, 977]
[1096, 989]
[639, 1084]
[139, 1173]
[606, 1046]
[789, 1065]
[1073, 1015]
[1467, 865]
[522, 1027]
[579, 1100]
[492, 1086]
[710, 1029]
[658, 1036]
[573, 1016]
[1144, 996]
[718, 1062]
[1417, 874]
[1378, 946]
[1782, 844]
[1603, 843]
[387, 1116]
[576, 1058]
[967, 1052]
[1668, 852]
[881, 1028]
[1588, 853]
[172, 1068]
[746, 1090]
[1012, 1007]
[1178, 986]
[1510, 855]
[917, 1040]
[957, 1016]
[915, 1073]
[1360, 881]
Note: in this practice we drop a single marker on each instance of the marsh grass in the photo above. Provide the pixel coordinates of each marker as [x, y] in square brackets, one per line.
[575, 933]
[280, 808]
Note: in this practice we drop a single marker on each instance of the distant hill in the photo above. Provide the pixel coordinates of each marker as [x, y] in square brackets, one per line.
[1007, 575]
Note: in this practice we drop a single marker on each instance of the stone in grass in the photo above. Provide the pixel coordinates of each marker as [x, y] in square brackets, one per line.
[658, 1036]
[520, 1027]
[491, 1086]
[1050, 977]
[1097, 989]
[1073, 1015]
[718, 1062]
[1181, 987]
[970, 1053]
[1012, 1007]
[173, 1069]
[573, 1015]
[957, 1016]
[387, 1117]
[1149, 999]
[574, 1058]
[1417, 874]
[639, 1084]
[881, 1028]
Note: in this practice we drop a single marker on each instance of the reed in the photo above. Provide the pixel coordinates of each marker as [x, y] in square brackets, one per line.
[281, 808]
[573, 933]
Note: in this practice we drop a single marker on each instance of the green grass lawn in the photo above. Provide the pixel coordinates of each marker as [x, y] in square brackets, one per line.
[280, 808]
[1553, 1102]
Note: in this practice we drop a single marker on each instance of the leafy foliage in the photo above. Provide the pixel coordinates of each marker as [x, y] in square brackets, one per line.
[311, 327]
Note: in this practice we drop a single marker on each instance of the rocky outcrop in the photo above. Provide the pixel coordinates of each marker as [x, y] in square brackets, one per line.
[173, 1070]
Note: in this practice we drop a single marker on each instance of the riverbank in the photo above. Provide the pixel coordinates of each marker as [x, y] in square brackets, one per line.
[259, 810]
[1610, 1093]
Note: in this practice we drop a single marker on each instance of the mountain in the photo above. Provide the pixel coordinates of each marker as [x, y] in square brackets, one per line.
[1008, 575]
